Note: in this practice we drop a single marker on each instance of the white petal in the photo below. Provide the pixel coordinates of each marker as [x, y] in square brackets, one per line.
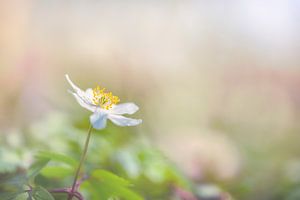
[124, 121]
[124, 108]
[98, 120]
[86, 96]
[83, 103]
[75, 88]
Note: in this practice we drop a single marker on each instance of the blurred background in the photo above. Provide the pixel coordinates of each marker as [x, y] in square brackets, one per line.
[217, 83]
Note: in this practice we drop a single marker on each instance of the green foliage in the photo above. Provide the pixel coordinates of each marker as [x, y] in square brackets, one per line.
[118, 152]
[57, 157]
[40, 193]
[11, 195]
[36, 167]
[106, 185]
[57, 172]
[12, 185]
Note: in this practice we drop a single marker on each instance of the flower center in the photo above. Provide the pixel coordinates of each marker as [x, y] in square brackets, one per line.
[104, 99]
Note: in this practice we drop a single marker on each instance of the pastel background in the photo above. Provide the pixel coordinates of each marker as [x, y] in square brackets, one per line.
[217, 82]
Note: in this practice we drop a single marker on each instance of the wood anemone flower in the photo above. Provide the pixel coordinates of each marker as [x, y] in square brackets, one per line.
[104, 105]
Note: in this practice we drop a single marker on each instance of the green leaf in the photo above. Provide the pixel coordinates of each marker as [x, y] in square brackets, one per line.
[42, 159]
[12, 185]
[36, 167]
[57, 171]
[108, 177]
[57, 157]
[10, 195]
[21, 197]
[40, 193]
[106, 185]
[29, 198]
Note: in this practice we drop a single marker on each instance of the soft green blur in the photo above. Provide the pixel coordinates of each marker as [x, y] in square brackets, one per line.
[217, 83]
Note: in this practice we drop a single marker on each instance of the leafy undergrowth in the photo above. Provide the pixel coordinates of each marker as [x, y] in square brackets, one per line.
[121, 165]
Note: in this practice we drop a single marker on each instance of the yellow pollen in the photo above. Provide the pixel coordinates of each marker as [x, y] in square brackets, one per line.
[104, 99]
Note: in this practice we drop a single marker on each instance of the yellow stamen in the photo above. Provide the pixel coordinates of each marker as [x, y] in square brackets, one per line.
[104, 99]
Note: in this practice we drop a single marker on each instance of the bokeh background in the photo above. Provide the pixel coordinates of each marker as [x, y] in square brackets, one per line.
[217, 83]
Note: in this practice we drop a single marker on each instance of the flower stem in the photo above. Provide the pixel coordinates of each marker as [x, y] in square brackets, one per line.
[83, 156]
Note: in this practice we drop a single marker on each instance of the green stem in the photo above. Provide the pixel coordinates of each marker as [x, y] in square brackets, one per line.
[83, 156]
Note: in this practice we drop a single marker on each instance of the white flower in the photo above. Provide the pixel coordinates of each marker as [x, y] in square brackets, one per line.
[104, 106]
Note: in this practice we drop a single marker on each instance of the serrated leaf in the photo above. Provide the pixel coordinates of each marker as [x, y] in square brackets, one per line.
[10, 195]
[105, 185]
[110, 178]
[21, 197]
[57, 157]
[11, 186]
[40, 193]
[56, 171]
[36, 167]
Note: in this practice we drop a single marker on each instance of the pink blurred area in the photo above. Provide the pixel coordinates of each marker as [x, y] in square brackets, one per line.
[192, 66]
